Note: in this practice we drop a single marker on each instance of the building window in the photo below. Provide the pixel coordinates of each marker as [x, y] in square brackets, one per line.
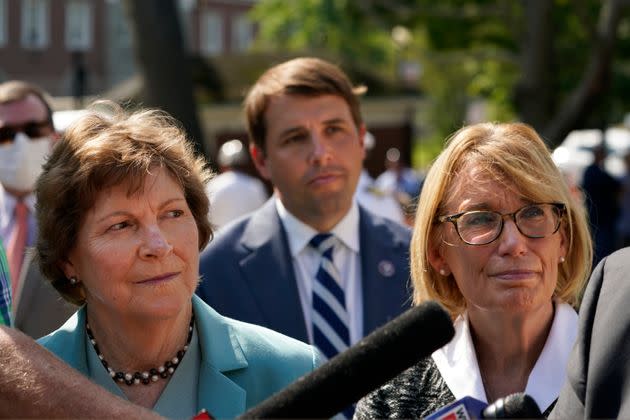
[211, 33]
[242, 33]
[78, 25]
[35, 24]
[4, 27]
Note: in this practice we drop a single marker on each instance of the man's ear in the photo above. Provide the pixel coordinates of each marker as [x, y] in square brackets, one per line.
[362, 132]
[260, 161]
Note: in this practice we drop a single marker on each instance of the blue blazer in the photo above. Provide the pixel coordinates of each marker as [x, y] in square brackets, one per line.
[247, 272]
[241, 364]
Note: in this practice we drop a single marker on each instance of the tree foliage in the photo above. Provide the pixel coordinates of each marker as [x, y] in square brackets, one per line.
[551, 63]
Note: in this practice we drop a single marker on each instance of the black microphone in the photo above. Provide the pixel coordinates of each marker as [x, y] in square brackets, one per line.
[514, 406]
[371, 362]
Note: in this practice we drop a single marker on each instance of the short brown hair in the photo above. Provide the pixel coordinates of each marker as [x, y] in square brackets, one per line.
[512, 152]
[17, 90]
[100, 151]
[301, 76]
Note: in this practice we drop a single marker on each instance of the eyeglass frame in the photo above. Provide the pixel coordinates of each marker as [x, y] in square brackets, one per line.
[561, 207]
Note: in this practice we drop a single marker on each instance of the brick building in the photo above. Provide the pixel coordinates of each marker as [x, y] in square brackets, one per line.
[49, 42]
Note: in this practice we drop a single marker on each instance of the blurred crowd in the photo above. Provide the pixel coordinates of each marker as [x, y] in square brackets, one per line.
[607, 200]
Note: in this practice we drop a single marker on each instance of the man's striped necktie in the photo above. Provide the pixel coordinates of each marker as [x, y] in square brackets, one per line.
[331, 334]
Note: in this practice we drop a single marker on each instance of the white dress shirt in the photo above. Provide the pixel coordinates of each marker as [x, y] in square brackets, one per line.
[457, 361]
[346, 257]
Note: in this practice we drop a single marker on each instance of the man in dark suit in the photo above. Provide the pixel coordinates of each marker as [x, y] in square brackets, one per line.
[274, 268]
[598, 384]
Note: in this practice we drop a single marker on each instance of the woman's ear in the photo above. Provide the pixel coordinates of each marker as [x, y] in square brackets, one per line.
[67, 267]
[436, 259]
[564, 242]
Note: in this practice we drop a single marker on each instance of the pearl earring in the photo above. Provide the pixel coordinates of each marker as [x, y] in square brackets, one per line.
[561, 260]
[73, 280]
[442, 272]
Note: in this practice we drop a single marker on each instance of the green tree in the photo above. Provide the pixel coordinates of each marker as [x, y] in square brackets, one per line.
[163, 63]
[547, 62]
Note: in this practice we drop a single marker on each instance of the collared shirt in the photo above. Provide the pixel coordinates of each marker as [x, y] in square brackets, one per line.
[5, 289]
[457, 361]
[346, 257]
[179, 397]
[7, 219]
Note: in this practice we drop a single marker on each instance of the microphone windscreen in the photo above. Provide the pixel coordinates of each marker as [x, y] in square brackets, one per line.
[514, 406]
[371, 362]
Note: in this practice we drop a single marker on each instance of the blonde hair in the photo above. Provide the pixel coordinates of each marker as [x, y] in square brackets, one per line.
[514, 155]
[100, 151]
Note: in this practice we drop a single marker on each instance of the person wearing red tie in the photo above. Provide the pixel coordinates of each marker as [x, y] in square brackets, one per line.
[26, 135]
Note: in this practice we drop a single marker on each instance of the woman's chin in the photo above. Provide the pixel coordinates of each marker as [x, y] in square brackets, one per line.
[159, 309]
[519, 300]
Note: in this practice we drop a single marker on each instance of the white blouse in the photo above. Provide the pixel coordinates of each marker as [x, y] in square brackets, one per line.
[457, 361]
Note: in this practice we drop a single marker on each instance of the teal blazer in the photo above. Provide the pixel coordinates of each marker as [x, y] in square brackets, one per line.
[241, 364]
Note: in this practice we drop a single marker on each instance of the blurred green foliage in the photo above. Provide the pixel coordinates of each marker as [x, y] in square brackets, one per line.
[467, 49]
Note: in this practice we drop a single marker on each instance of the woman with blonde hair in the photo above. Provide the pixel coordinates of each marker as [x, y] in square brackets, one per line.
[499, 241]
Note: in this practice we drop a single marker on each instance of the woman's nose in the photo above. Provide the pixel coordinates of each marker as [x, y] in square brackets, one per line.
[511, 240]
[155, 244]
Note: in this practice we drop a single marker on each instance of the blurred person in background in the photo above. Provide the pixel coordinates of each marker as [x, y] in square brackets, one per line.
[624, 214]
[280, 266]
[26, 137]
[499, 242]
[377, 201]
[123, 214]
[399, 179]
[234, 193]
[311, 263]
[601, 194]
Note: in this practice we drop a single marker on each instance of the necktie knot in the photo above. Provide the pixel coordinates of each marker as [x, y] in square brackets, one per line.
[323, 243]
[21, 210]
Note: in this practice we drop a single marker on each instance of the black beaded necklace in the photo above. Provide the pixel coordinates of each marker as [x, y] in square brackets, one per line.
[146, 377]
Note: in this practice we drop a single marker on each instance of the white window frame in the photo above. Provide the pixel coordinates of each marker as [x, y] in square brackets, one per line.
[35, 14]
[212, 33]
[242, 33]
[79, 25]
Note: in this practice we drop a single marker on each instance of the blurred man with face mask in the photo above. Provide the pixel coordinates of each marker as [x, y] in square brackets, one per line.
[26, 136]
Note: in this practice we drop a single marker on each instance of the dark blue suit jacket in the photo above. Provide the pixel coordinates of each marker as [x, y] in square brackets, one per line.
[247, 272]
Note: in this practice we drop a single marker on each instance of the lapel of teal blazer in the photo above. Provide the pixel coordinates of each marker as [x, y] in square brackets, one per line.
[220, 353]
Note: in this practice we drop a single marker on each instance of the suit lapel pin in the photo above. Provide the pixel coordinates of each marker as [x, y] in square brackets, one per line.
[386, 268]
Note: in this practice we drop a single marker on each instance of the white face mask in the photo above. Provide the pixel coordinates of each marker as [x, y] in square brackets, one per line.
[21, 161]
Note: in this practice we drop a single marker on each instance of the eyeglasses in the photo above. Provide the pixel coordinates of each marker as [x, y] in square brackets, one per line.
[33, 129]
[482, 227]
